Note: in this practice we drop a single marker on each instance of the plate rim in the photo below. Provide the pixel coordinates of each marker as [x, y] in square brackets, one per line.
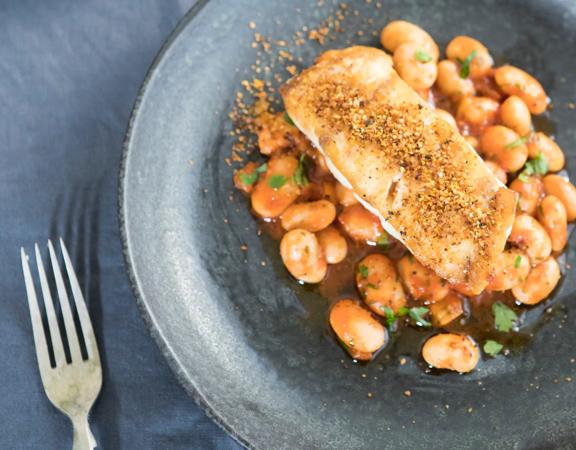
[149, 320]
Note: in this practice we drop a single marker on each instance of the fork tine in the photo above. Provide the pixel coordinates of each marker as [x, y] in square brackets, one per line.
[71, 333]
[59, 356]
[83, 315]
[37, 327]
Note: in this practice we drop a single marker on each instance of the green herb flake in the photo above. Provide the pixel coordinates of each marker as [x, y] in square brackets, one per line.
[540, 164]
[402, 311]
[372, 286]
[422, 56]
[517, 262]
[300, 177]
[536, 166]
[277, 181]
[523, 177]
[492, 348]
[390, 316]
[248, 178]
[504, 317]
[465, 65]
[383, 240]
[416, 314]
[517, 142]
[288, 119]
[363, 271]
[262, 168]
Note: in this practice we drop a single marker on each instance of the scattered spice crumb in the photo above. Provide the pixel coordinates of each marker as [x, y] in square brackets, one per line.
[402, 361]
[369, 395]
[408, 393]
[568, 379]
[263, 263]
[292, 69]
[252, 25]
[470, 410]
[244, 247]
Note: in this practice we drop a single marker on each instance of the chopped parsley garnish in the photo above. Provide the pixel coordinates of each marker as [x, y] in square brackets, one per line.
[517, 262]
[383, 240]
[416, 314]
[540, 164]
[363, 271]
[517, 142]
[277, 181]
[536, 166]
[300, 177]
[392, 318]
[523, 177]
[492, 348]
[422, 56]
[262, 168]
[402, 311]
[465, 64]
[250, 178]
[504, 317]
[288, 119]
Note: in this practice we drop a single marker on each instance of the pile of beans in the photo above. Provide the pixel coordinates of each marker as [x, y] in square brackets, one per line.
[320, 219]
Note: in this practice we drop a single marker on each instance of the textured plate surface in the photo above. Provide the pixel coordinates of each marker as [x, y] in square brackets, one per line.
[244, 339]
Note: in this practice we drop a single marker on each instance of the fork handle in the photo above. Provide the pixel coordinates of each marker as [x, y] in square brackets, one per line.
[83, 437]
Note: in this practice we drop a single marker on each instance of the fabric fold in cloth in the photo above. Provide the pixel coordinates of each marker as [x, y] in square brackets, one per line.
[69, 74]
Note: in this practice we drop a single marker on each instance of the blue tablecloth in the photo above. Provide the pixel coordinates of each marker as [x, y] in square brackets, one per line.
[69, 73]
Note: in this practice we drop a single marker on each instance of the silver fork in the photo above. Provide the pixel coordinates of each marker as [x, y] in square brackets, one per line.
[71, 387]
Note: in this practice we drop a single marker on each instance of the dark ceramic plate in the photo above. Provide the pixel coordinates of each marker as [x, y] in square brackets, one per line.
[250, 345]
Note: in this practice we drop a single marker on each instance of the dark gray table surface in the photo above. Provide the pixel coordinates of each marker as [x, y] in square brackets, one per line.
[69, 73]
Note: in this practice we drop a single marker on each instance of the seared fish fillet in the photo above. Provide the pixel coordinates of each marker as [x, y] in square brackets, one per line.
[405, 164]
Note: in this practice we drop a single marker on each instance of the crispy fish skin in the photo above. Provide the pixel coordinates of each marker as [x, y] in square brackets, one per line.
[410, 167]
